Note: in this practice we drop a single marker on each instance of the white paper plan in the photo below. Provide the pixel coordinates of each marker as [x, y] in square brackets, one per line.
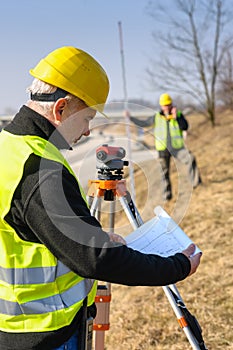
[161, 235]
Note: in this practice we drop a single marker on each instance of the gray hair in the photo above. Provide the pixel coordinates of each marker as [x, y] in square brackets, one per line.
[40, 87]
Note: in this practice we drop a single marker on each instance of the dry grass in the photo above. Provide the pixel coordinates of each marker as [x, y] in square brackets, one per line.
[141, 317]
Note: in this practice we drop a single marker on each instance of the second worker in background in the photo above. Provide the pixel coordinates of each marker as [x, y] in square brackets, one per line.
[169, 126]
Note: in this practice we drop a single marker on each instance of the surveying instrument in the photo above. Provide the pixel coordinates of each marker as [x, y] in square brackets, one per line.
[110, 186]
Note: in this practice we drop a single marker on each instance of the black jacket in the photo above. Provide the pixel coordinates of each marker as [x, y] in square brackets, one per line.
[71, 233]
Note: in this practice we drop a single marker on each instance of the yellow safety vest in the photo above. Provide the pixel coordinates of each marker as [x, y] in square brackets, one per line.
[177, 140]
[38, 293]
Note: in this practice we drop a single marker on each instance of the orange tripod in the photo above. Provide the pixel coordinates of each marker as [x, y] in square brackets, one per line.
[109, 187]
[109, 190]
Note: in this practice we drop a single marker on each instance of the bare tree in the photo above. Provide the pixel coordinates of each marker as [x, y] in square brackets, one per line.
[225, 85]
[193, 42]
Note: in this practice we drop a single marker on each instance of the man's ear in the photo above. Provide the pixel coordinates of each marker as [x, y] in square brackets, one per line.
[58, 110]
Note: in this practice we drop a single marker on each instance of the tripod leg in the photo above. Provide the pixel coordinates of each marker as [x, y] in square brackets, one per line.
[101, 322]
[180, 317]
[99, 340]
[95, 207]
[112, 215]
[89, 201]
[131, 211]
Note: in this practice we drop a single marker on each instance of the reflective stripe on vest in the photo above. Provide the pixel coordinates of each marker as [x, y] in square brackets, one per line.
[55, 302]
[38, 293]
[177, 140]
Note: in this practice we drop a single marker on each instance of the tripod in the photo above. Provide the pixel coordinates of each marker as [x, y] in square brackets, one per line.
[109, 187]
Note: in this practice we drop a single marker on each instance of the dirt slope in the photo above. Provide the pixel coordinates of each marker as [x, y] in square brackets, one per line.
[141, 317]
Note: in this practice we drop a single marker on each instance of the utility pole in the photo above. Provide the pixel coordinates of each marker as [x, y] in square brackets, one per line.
[131, 171]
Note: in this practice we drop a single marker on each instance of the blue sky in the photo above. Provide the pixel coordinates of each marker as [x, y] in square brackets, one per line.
[31, 29]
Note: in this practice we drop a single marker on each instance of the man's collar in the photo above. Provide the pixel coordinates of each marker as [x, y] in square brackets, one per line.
[28, 122]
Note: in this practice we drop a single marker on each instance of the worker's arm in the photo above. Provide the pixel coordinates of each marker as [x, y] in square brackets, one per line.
[140, 122]
[56, 215]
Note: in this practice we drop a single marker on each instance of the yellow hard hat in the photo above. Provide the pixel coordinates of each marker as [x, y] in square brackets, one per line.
[76, 72]
[165, 100]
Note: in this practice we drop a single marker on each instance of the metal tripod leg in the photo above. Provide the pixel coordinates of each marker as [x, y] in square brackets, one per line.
[179, 314]
[131, 211]
[95, 206]
[103, 291]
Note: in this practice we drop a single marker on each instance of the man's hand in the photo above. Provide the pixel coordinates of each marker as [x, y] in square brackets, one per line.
[173, 112]
[116, 238]
[194, 259]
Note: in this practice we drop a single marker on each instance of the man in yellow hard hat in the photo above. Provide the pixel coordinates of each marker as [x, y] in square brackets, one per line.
[52, 250]
[169, 128]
